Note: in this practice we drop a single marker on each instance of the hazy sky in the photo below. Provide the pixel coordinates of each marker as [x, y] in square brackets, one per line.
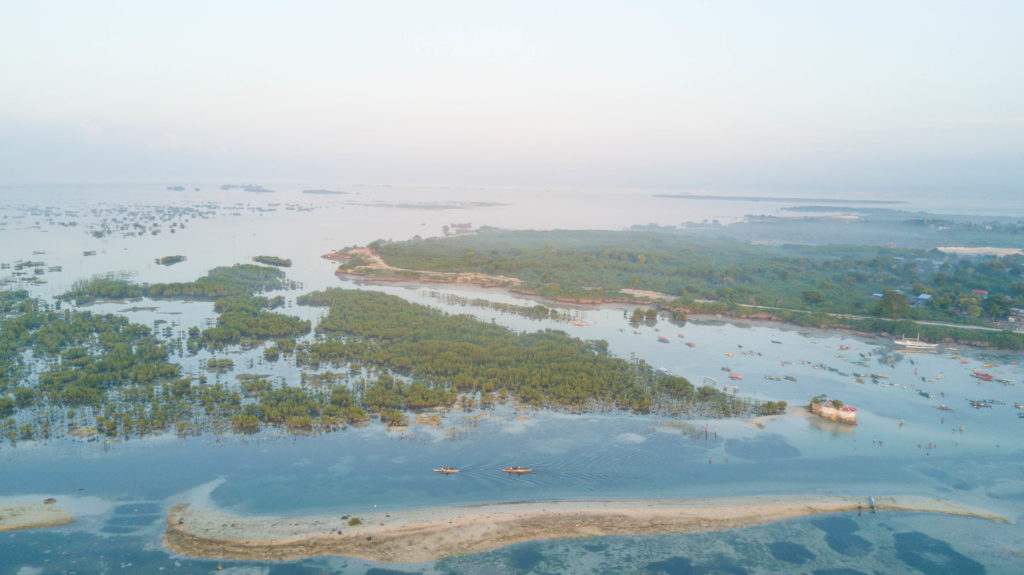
[714, 95]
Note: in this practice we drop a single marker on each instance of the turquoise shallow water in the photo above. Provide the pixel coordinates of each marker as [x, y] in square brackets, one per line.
[123, 490]
[574, 457]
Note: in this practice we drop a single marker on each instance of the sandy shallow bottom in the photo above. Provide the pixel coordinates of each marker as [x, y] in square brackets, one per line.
[17, 515]
[433, 534]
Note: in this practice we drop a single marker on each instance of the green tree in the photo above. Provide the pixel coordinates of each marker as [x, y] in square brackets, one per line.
[813, 297]
[893, 304]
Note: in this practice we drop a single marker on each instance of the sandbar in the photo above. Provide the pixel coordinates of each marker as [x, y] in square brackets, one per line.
[433, 534]
[17, 515]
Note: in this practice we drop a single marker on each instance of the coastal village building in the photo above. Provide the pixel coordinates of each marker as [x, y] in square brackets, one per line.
[828, 410]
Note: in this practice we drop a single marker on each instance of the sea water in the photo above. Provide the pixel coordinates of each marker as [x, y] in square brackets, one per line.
[121, 491]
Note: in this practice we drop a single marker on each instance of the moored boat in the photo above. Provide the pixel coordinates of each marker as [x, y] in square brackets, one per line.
[662, 339]
[914, 343]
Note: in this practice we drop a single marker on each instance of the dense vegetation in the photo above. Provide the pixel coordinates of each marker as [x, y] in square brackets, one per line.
[220, 282]
[806, 284]
[82, 373]
[443, 354]
[77, 356]
[245, 319]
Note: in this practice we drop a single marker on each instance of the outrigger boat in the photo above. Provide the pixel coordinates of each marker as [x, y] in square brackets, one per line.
[518, 469]
[915, 344]
[446, 470]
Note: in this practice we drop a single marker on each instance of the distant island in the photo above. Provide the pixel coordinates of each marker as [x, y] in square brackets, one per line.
[170, 260]
[770, 199]
[253, 188]
[325, 192]
[273, 261]
[176, 188]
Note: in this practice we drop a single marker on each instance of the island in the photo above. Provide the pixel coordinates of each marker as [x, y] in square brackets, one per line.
[252, 188]
[273, 261]
[833, 410]
[170, 260]
[325, 192]
[943, 296]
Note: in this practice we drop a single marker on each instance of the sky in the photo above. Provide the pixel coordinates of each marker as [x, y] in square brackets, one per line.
[834, 97]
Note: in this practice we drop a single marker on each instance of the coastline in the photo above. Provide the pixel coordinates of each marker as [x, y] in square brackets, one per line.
[433, 534]
[19, 515]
